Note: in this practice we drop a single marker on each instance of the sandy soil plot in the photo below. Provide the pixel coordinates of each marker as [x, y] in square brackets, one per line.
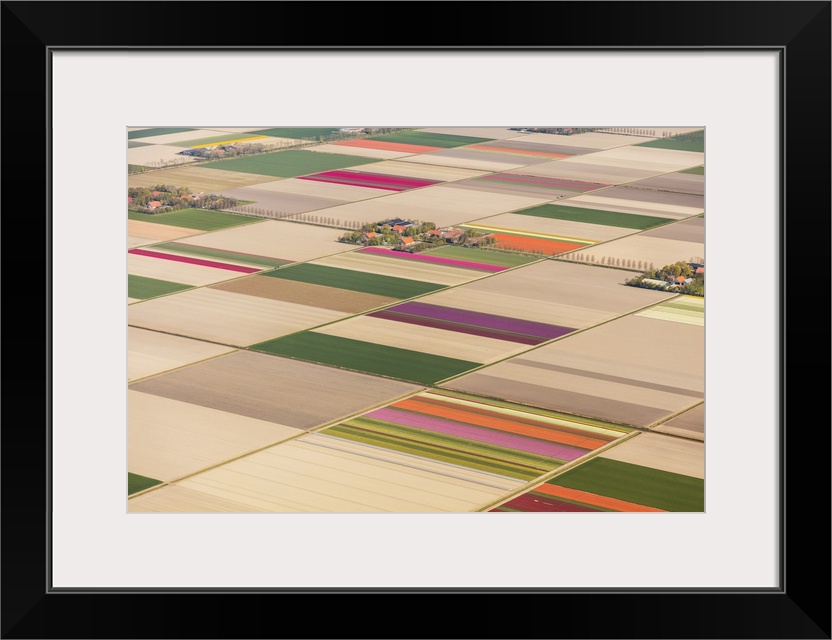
[197, 179]
[645, 158]
[281, 202]
[240, 130]
[681, 182]
[320, 474]
[593, 140]
[659, 132]
[132, 300]
[690, 230]
[495, 133]
[537, 147]
[661, 452]
[690, 424]
[225, 317]
[316, 189]
[523, 188]
[413, 337]
[157, 155]
[289, 392]
[168, 439]
[275, 239]
[494, 154]
[171, 138]
[658, 251]
[427, 172]
[664, 204]
[563, 228]
[149, 353]
[139, 241]
[465, 159]
[620, 371]
[313, 295]
[177, 499]
[560, 293]
[180, 272]
[410, 269]
[364, 152]
[571, 169]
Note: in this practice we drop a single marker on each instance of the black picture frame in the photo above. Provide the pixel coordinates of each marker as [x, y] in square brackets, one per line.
[799, 608]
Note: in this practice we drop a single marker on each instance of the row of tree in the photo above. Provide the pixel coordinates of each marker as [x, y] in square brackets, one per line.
[661, 279]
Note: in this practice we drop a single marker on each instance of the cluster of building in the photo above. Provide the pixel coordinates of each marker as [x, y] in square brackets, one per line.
[408, 240]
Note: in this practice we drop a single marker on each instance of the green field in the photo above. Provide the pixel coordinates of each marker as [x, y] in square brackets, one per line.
[445, 448]
[298, 133]
[143, 288]
[634, 483]
[485, 256]
[350, 280]
[697, 171]
[136, 483]
[430, 139]
[594, 216]
[136, 168]
[158, 131]
[246, 258]
[289, 164]
[693, 141]
[201, 219]
[403, 364]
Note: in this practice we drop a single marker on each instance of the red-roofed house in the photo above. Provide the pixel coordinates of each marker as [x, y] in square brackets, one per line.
[154, 204]
[700, 271]
[156, 193]
[368, 235]
[435, 232]
[399, 228]
[129, 199]
[407, 241]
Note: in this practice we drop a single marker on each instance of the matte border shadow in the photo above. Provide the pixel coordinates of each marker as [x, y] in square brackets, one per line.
[799, 608]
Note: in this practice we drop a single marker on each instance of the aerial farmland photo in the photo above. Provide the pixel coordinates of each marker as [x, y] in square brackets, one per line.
[360, 319]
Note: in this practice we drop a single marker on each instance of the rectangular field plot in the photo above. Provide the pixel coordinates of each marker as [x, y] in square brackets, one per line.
[229, 257]
[185, 270]
[480, 256]
[522, 238]
[593, 140]
[648, 202]
[603, 484]
[495, 133]
[369, 149]
[197, 178]
[551, 292]
[626, 371]
[421, 171]
[505, 439]
[369, 180]
[353, 280]
[527, 185]
[364, 355]
[592, 170]
[317, 474]
[643, 158]
[278, 390]
[662, 452]
[642, 248]
[168, 439]
[228, 318]
[280, 202]
[296, 133]
[284, 241]
[141, 288]
[157, 155]
[200, 219]
[136, 132]
[681, 182]
[684, 309]
[425, 138]
[309, 189]
[464, 158]
[409, 266]
[150, 353]
[313, 295]
[594, 216]
[690, 424]
[288, 164]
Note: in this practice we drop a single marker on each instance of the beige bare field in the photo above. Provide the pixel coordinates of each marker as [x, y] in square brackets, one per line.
[618, 371]
[320, 474]
[328, 190]
[132, 300]
[554, 292]
[426, 172]
[480, 164]
[410, 336]
[346, 150]
[598, 200]
[690, 424]
[592, 140]
[225, 317]
[138, 241]
[604, 174]
[565, 228]
[313, 295]
[177, 499]
[168, 439]
[158, 232]
[284, 240]
[242, 130]
[658, 251]
[150, 353]
[495, 133]
[157, 155]
[289, 392]
[661, 452]
[182, 136]
[197, 179]
[180, 272]
[643, 158]
[400, 268]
